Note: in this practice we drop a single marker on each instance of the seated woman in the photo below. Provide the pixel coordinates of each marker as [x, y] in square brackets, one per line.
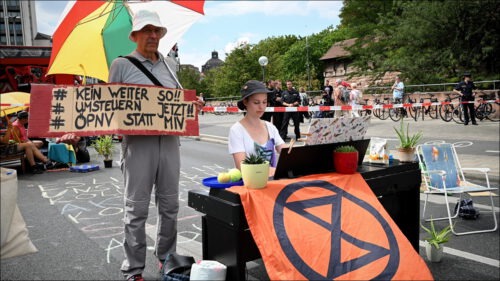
[29, 149]
[251, 135]
[19, 132]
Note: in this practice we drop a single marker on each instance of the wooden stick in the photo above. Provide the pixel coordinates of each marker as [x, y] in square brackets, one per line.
[292, 142]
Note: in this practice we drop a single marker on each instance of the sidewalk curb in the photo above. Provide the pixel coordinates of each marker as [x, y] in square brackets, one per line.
[207, 139]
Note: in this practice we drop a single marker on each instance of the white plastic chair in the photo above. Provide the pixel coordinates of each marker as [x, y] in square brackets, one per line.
[443, 174]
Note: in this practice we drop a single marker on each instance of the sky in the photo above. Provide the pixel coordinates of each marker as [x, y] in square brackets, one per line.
[228, 23]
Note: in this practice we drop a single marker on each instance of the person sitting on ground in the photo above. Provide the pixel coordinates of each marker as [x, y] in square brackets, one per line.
[19, 132]
[79, 146]
[251, 135]
[29, 149]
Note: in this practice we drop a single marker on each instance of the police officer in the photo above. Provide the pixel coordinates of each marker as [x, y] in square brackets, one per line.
[464, 89]
[291, 98]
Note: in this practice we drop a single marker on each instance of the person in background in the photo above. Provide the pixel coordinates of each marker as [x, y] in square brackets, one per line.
[465, 90]
[203, 100]
[19, 132]
[337, 98]
[251, 135]
[270, 95]
[278, 102]
[304, 101]
[328, 100]
[12, 147]
[79, 146]
[398, 89]
[148, 160]
[291, 98]
[355, 99]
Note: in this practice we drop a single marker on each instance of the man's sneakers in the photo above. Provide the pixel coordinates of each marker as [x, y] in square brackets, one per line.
[474, 123]
[137, 277]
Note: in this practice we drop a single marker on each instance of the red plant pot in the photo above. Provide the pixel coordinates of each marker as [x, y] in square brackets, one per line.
[345, 162]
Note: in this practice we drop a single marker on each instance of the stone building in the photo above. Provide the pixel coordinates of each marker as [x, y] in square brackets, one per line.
[338, 66]
[212, 63]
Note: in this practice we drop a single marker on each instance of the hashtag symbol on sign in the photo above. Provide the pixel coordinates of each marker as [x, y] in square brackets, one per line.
[60, 94]
[57, 109]
[57, 122]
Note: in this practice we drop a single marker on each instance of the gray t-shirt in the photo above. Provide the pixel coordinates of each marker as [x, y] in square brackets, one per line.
[123, 71]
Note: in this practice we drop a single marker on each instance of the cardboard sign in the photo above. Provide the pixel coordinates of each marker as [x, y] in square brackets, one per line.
[328, 227]
[104, 109]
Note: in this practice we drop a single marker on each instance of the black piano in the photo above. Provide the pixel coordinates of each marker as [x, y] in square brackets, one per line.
[226, 236]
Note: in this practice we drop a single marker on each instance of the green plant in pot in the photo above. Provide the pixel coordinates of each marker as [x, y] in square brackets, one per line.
[255, 171]
[104, 147]
[345, 159]
[407, 143]
[433, 248]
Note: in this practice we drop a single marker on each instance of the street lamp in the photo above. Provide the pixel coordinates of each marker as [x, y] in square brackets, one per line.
[263, 62]
[13, 27]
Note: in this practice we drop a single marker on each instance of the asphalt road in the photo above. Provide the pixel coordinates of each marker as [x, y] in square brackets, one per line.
[75, 220]
[475, 140]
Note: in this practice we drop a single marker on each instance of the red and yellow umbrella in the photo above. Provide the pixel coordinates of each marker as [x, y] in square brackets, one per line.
[92, 34]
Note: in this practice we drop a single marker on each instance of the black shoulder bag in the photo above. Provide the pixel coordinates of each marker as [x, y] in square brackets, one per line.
[144, 70]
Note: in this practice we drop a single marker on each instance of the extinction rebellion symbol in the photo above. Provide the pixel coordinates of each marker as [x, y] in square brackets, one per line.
[336, 267]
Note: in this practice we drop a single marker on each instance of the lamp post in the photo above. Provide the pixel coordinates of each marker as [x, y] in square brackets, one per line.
[263, 62]
[14, 27]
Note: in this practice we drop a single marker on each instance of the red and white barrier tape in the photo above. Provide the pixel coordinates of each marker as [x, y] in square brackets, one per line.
[14, 104]
[321, 108]
[338, 108]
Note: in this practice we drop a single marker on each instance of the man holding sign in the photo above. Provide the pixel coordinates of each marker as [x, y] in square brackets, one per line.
[148, 160]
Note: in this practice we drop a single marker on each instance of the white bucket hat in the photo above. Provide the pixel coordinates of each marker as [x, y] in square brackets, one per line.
[143, 18]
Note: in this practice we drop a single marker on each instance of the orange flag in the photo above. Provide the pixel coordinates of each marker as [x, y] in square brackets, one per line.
[325, 227]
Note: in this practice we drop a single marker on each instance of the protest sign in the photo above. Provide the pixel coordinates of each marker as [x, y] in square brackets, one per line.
[103, 109]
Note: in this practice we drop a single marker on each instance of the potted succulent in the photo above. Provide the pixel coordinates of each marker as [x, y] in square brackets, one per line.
[345, 159]
[104, 147]
[407, 143]
[433, 248]
[255, 171]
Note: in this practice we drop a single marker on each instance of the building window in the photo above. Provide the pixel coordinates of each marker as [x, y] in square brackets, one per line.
[3, 40]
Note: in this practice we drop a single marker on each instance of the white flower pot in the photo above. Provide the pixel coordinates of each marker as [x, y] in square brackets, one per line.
[433, 254]
[255, 175]
[406, 154]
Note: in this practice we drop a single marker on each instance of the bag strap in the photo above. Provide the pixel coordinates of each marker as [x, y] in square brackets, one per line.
[144, 70]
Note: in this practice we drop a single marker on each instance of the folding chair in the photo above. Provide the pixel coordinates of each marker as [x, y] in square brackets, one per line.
[444, 175]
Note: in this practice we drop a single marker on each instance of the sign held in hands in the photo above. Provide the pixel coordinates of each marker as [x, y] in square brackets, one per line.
[103, 109]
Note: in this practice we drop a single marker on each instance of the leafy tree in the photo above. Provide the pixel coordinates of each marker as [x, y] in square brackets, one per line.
[428, 41]
[310, 50]
[189, 78]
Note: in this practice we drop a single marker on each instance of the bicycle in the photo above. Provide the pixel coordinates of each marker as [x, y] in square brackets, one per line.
[430, 110]
[485, 110]
[365, 112]
[399, 112]
[381, 113]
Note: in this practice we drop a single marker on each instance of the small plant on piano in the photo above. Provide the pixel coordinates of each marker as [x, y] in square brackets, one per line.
[255, 171]
[345, 159]
[254, 159]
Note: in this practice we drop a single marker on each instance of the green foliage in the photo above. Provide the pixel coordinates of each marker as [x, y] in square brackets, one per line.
[189, 79]
[427, 41]
[104, 146]
[437, 238]
[405, 139]
[253, 159]
[345, 149]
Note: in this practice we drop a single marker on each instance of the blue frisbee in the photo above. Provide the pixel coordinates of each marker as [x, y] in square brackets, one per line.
[213, 183]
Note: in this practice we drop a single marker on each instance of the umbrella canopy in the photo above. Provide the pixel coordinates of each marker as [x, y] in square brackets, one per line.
[92, 34]
[13, 102]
